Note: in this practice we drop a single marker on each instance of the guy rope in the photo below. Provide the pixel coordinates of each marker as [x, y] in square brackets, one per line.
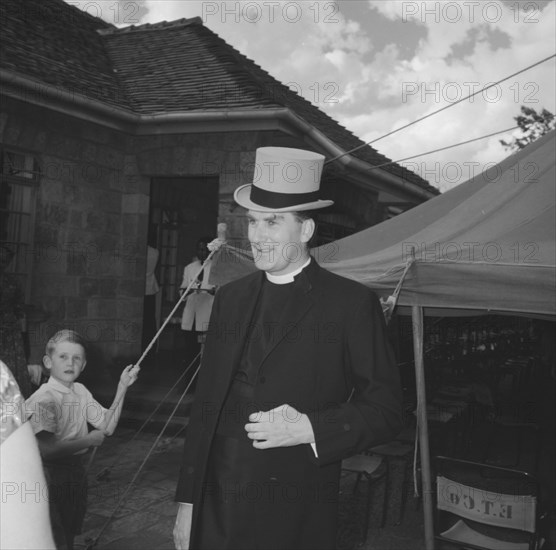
[214, 247]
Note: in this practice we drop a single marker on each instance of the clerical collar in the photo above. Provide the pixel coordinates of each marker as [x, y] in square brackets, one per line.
[288, 277]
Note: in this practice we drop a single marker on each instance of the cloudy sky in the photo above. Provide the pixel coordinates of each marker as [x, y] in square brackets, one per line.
[377, 65]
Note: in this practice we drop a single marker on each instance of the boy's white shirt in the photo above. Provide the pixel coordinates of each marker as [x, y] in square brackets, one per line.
[64, 411]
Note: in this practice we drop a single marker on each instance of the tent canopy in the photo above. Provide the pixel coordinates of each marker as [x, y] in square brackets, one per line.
[486, 245]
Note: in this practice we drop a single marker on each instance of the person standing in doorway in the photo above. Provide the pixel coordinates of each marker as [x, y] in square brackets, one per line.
[198, 304]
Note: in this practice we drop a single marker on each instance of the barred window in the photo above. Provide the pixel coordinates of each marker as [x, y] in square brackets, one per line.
[20, 176]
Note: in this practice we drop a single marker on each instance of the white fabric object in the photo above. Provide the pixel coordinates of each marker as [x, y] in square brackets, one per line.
[151, 284]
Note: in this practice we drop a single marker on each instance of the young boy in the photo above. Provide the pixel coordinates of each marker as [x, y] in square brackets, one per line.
[59, 413]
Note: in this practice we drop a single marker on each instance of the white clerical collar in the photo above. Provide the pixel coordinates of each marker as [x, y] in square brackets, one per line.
[288, 277]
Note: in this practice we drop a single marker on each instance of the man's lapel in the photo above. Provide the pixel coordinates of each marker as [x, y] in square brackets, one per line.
[244, 308]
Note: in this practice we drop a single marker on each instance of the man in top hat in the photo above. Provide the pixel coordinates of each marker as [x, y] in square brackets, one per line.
[297, 375]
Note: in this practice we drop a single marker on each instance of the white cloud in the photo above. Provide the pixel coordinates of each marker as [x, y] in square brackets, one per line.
[433, 79]
[328, 52]
[390, 10]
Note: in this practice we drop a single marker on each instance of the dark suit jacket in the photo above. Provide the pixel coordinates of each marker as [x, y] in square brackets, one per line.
[332, 361]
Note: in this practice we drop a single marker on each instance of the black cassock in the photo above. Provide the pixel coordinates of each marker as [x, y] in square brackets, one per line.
[310, 344]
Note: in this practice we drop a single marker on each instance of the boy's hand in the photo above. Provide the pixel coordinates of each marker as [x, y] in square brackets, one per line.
[96, 438]
[129, 375]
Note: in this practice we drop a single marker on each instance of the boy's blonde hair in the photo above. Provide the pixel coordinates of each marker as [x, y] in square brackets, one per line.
[65, 335]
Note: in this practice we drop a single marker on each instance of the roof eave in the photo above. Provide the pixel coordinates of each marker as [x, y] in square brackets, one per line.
[363, 169]
[124, 120]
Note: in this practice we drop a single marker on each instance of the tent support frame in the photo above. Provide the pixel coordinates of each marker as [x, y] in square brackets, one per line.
[422, 427]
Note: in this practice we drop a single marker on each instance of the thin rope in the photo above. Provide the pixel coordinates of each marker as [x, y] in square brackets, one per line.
[151, 343]
[181, 299]
[441, 109]
[161, 402]
[443, 148]
[91, 545]
[415, 447]
[167, 320]
[408, 264]
[389, 304]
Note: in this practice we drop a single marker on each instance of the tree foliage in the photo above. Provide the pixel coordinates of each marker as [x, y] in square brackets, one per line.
[533, 125]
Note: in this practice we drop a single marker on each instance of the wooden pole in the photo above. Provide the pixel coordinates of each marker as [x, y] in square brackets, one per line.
[417, 318]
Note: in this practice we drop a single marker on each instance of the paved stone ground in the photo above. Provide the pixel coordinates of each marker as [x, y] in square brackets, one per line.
[145, 514]
[142, 514]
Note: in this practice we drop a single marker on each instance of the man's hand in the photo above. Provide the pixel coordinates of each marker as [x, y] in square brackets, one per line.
[182, 528]
[283, 426]
[129, 375]
[96, 438]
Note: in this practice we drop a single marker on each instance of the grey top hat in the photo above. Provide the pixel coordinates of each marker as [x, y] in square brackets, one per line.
[285, 180]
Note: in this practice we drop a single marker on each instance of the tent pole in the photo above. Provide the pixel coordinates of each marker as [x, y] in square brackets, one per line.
[417, 318]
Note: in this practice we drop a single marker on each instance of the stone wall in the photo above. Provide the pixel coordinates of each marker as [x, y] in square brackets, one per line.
[90, 232]
[92, 213]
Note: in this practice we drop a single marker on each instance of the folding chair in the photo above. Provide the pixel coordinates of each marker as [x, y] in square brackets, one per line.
[374, 468]
[485, 507]
[398, 457]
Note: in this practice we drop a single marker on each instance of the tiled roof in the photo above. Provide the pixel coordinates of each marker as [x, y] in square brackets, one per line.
[162, 68]
[183, 66]
[54, 43]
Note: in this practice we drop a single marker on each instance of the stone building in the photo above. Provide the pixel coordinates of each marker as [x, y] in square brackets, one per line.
[106, 131]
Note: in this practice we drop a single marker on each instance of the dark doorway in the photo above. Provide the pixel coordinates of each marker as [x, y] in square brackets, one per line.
[181, 211]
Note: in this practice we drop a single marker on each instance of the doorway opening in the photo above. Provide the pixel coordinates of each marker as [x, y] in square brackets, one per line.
[182, 209]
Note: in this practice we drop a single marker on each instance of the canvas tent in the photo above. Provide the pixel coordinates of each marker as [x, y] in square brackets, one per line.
[488, 245]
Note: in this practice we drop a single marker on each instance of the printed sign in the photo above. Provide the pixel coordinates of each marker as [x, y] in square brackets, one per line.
[516, 511]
